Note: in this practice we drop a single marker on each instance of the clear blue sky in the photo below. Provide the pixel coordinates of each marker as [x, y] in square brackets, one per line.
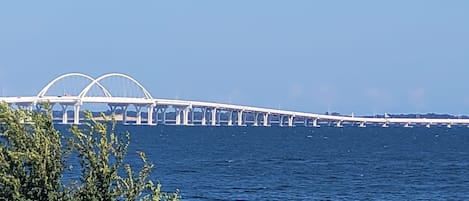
[364, 57]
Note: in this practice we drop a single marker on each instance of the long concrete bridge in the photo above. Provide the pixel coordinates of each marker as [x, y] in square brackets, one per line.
[185, 112]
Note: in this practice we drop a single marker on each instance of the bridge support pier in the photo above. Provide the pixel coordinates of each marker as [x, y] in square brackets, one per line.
[76, 114]
[214, 117]
[306, 122]
[204, 116]
[150, 110]
[139, 115]
[362, 125]
[339, 124]
[266, 119]
[64, 114]
[240, 118]
[256, 119]
[230, 118]
[178, 116]
[185, 113]
[290, 121]
[385, 125]
[315, 123]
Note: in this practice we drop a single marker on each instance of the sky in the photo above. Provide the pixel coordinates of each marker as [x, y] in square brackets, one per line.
[365, 57]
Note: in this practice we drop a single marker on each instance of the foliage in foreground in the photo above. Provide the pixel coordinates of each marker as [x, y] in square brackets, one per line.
[33, 158]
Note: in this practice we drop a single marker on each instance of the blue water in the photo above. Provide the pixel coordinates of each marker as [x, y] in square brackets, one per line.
[258, 163]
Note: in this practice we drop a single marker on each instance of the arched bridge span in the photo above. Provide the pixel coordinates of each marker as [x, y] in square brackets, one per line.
[184, 112]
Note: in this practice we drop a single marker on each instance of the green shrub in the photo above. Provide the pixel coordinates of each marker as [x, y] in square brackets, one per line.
[32, 161]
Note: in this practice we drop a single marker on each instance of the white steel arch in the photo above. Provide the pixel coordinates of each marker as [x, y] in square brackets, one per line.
[97, 80]
[50, 84]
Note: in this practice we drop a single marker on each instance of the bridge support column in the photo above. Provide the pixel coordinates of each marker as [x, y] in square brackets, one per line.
[339, 124]
[178, 116]
[230, 118]
[256, 119]
[315, 123]
[306, 122]
[185, 113]
[76, 114]
[266, 119]
[214, 116]
[150, 110]
[240, 118]
[124, 114]
[290, 121]
[363, 125]
[163, 110]
[64, 114]
[204, 116]
[139, 115]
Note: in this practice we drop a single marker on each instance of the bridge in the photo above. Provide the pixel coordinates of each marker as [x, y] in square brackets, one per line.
[153, 111]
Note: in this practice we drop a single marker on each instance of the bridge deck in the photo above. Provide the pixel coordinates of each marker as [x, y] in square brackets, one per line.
[185, 104]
